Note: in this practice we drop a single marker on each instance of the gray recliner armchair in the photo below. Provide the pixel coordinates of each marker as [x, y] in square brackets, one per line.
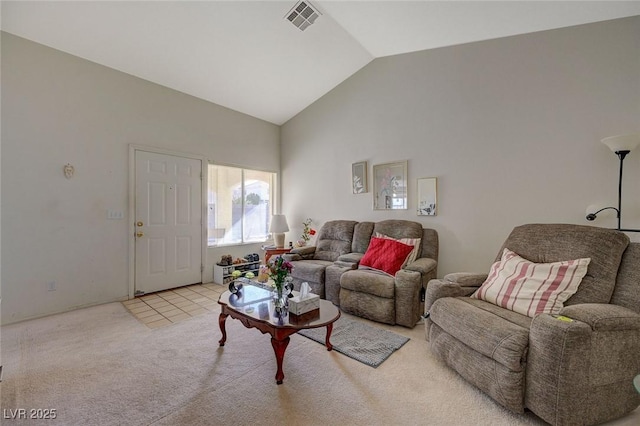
[573, 368]
[392, 299]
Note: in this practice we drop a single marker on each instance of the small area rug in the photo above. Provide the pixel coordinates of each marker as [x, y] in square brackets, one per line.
[365, 343]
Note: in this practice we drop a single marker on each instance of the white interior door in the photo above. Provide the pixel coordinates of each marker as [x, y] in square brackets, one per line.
[168, 221]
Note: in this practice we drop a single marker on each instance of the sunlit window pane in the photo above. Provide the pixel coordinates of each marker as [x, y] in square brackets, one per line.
[257, 206]
[239, 205]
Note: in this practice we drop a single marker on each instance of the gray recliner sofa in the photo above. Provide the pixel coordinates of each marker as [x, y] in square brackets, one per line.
[575, 368]
[331, 268]
[334, 239]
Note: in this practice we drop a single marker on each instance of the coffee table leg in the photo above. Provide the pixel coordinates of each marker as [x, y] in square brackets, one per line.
[221, 322]
[279, 346]
[327, 342]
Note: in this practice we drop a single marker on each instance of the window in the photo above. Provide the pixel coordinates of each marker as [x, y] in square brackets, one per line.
[240, 203]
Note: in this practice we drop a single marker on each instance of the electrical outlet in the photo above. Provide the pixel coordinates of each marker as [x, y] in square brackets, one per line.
[51, 286]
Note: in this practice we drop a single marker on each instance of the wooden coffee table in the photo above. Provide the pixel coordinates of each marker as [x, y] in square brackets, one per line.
[254, 308]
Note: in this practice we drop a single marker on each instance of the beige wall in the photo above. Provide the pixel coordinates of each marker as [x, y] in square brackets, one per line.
[59, 109]
[510, 127]
[0, 173]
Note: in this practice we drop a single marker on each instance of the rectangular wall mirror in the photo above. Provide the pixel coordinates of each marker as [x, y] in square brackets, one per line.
[427, 196]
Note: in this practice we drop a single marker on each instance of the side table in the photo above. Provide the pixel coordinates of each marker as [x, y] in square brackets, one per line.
[274, 252]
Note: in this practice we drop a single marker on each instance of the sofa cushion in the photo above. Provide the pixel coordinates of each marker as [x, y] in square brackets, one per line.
[361, 236]
[530, 288]
[398, 229]
[369, 282]
[513, 317]
[334, 239]
[430, 245]
[503, 338]
[386, 255]
[544, 243]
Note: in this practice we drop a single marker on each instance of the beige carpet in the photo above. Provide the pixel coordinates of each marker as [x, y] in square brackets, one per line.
[101, 366]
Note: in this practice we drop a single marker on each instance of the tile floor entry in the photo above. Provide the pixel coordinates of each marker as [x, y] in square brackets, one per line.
[171, 306]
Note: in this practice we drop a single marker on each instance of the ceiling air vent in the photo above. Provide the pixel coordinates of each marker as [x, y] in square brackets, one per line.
[302, 15]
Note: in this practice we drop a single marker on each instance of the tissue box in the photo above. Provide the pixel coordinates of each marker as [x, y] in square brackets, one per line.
[305, 318]
[309, 303]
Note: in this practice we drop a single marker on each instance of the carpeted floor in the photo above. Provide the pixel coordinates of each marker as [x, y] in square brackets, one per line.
[101, 366]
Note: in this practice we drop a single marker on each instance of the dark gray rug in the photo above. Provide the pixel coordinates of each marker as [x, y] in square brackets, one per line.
[365, 343]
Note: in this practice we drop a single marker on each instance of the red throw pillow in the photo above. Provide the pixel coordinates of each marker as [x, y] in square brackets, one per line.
[386, 255]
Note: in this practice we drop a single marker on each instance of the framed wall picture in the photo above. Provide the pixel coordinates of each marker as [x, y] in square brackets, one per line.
[390, 186]
[359, 177]
[427, 196]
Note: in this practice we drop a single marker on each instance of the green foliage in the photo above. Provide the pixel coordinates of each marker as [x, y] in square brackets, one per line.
[253, 199]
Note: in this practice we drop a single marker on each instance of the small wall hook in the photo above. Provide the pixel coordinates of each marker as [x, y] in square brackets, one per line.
[68, 171]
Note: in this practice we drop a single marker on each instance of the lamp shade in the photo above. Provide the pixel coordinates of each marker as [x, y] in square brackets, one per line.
[622, 142]
[278, 224]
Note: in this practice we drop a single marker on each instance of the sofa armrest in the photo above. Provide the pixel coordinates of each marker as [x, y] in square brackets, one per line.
[437, 289]
[578, 369]
[557, 372]
[603, 317]
[466, 279]
[423, 265]
[351, 258]
[300, 253]
[303, 251]
[407, 297]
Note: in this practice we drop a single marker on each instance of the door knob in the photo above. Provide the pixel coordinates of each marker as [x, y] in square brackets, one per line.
[139, 234]
[139, 224]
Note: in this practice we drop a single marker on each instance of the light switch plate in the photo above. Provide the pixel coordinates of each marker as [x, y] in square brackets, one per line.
[115, 214]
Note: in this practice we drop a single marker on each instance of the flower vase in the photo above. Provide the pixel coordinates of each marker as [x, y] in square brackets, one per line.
[280, 300]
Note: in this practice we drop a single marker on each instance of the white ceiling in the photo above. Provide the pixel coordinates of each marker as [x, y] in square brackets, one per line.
[245, 56]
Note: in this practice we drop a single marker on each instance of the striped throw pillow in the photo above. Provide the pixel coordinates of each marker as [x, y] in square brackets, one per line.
[530, 288]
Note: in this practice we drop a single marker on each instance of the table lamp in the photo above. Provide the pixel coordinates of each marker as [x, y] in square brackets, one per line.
[278, 227]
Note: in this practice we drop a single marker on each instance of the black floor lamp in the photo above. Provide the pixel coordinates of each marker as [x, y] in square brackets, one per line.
[621, 145]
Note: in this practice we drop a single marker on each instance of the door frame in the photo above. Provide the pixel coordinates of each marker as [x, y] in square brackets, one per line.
[132, 207]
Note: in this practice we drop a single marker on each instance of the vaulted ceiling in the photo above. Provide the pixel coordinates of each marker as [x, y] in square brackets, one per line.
[246, 56]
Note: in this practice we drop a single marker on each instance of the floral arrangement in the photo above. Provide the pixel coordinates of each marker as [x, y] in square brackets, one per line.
[307, 231]
[278, 270]
[389, 183]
